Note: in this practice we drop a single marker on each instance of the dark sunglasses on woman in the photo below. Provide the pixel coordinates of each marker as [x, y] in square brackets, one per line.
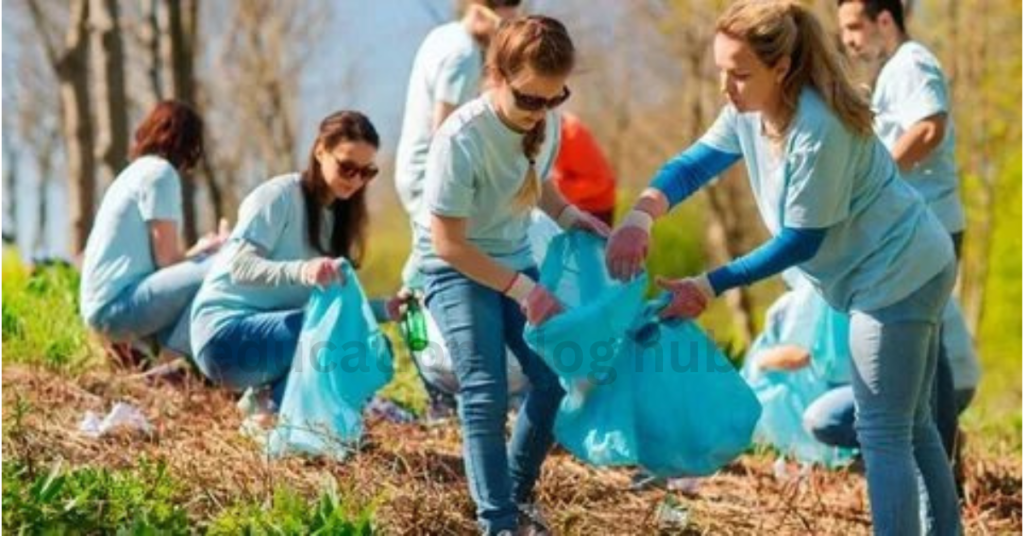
[350, 170]
[533, 103]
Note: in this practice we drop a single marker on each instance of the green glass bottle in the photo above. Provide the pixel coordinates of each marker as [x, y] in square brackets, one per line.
[414, 327]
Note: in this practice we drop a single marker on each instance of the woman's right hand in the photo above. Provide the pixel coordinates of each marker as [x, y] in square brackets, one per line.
[322, 271]
[540, 305]
[627, 252]
[212, 241]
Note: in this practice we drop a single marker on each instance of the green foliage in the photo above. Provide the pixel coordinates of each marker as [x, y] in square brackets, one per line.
[40, 316]
[999, 331]
[288, 513]
[406, 388]
[92, 500]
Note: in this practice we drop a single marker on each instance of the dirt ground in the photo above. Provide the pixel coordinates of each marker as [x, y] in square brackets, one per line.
[414, 476]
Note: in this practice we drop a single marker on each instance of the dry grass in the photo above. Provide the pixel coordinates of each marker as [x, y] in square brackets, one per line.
[413, 475]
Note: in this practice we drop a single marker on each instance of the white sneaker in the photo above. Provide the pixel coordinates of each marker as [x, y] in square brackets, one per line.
[259, 414]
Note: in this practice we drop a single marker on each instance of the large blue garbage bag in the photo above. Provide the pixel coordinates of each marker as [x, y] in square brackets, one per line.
[800, 317]
[342, 359]
[658, 394]
[583, 339]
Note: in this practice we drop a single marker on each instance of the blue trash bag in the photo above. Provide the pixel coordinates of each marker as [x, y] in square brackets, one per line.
[342, 359]
[585, 337]
[800, 317]
[695, 387]
[658, 394]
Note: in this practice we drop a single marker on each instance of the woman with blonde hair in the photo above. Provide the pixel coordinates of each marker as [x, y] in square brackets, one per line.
[831, 196]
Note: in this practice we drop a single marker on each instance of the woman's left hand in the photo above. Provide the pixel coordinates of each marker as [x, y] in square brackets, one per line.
[690, 296]
[397, 305]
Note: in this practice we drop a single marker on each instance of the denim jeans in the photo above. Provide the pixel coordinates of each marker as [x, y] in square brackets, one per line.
[478, 323]
[255, 350]
[895, 352]
[158, 305]
[830, 417]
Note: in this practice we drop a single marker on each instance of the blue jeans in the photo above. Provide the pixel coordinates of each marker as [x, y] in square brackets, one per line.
[255, 350]
[895, 352]
[478, 322]
[158, 305]
[830, 417]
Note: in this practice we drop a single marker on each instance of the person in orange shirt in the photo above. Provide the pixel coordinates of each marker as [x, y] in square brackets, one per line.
[582, 173]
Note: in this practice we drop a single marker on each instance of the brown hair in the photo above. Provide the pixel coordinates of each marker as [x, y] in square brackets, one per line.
[874, 8]
[173, 131]
[348, 236]
[542, 44]
[463, 5]
[775, 29]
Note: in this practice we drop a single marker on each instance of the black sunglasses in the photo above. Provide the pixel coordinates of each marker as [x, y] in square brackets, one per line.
[533, 103]
[350, 170]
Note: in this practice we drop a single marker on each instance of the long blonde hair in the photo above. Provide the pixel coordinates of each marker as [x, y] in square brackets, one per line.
[543, 44]
[776, 29]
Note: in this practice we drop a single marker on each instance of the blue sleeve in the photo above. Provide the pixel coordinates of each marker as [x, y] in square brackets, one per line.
[790, 247]
[691, 169]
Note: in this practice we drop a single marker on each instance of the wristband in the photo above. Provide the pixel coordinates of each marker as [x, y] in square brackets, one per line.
[568, 217]
[520, 287]
[639, 219]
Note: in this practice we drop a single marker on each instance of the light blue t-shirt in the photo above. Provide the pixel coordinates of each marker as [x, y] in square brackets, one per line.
[118, 253]
[273, 218]
[475, 168]
[448, 68]
[881, 243]
[911, 87]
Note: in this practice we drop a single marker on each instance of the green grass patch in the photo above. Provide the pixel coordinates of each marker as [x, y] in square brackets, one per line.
[406, 388]
[147, 499]
[41, 325]
[288, 513]
[90, 500]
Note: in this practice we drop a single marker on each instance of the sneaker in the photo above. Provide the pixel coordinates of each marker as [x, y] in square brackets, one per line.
[440, 410]
[256, 400]
[259, 414]
[532, 521]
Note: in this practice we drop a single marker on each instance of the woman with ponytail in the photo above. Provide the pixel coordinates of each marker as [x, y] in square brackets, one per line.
[484, 176]
[831, 196]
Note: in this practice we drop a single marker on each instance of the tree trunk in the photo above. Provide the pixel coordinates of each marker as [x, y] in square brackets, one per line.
[70, 62]
[724, 241]
[73, 73]
[151, 38]
[176, 49]
[10, 234]
[45, 165]
[112, 112]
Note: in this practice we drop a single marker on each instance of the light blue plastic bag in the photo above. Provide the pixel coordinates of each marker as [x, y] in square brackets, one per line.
[342, 359]
[800, 317]
[665, 398]
[585, 338]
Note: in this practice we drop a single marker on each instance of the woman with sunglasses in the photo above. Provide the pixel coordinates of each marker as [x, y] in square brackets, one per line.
[483, 178]
[292, 233]
[137, 278]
